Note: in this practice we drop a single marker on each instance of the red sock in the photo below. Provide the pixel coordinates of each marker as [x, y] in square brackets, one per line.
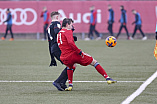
[101, 71]
[70, 76]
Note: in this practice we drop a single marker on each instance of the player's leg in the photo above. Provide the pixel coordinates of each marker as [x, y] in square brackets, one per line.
[120, 29]
[110, 29]
[135, 29]
[70, 79]
[70, 71]
[6, 32]
[96, 32]
[128, 36]
[141, 31]
[90, 31]
[53, 61]
[12, 36]
[144, 37]
[57, 83]
[45, 27]
[102, 72]
[63, 76]
[88, 60]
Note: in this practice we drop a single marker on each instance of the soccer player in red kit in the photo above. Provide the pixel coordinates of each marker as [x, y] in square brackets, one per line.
[70, 54]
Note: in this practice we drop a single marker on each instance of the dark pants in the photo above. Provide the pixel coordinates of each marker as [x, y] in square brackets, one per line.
[138, 27]
[120, 29]
[110, 29]
[63, 76]
[9, 29]
[45, 27]
[91, 29]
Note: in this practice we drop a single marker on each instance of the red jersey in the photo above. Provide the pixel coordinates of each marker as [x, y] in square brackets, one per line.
[66, 43]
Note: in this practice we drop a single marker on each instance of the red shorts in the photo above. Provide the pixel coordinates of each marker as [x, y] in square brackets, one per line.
[76, 58]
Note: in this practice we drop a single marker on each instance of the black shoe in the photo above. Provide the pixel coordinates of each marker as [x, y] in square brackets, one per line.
[58, 86]
[63, 86]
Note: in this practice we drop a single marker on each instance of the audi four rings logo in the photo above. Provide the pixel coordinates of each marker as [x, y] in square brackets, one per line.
[23, 16]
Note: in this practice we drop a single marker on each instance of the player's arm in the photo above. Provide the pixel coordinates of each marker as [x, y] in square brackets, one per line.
[123, 14]
[9, 17]
[94, 17]
[112, 16]
[71, 43]
[47, 17]
[57, 28]
[42, 14]
[75, 37]
[136, 19]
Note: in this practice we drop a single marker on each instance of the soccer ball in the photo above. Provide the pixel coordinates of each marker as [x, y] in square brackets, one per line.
[111, 41]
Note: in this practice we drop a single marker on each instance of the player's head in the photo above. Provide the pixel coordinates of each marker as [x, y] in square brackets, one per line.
[92, 8]
[44, 9]
[67, 23]
[55, 16]
[121, 7]
[8, 10]
[109, 6]
[134, 11]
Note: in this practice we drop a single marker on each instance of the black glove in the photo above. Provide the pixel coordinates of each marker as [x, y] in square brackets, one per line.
[53, 63]
[110, 22]
[75, 38]
[133, 23]
[73, 28]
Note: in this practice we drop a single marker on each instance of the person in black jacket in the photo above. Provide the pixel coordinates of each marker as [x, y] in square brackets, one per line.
[9, 26]
[138, 25]
[110, 20]
[123, 21]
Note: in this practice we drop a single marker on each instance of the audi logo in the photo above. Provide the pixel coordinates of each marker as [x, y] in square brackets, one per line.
[23, 16]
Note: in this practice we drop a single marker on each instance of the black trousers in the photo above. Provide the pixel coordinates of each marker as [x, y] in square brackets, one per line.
[8, 28]
[120, 29]
[138, 27]
[45, 27]
[56, 54]
[110, 29]
[91, 30]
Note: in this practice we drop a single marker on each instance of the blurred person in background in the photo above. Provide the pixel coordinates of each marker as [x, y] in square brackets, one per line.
[123, 21]
[110, 20]
[9, 25]
[45, 15]
[138, 25]
[93, 21]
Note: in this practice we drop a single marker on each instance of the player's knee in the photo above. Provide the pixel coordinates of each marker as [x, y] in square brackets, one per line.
[93, 62]
[74, 66]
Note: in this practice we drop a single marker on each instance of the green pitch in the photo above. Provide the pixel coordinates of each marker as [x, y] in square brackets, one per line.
[29, 61]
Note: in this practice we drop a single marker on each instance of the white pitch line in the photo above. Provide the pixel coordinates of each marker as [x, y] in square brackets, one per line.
[140, 89]
[73, 81]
